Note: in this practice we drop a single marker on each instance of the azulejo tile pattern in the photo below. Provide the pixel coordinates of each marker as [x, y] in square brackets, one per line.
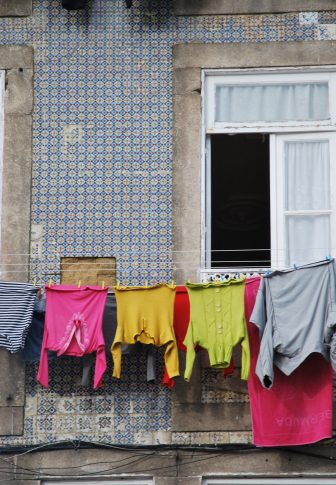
[102, 158]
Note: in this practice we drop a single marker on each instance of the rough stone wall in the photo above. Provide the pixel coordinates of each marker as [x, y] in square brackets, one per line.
[102, 157]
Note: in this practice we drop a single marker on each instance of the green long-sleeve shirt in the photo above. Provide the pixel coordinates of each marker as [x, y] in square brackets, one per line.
[217, 323]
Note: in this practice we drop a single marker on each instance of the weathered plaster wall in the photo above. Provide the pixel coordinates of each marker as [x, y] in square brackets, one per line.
[17, 8]
[169, 467]
[102, 174]
[224, 7]
[17, 63]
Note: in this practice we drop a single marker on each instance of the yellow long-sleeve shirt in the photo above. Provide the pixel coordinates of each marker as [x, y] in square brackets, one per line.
[145, 314]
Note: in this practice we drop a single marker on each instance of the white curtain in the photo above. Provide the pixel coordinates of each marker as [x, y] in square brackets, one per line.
[307, 238]
[307, 175]
[307, 187]
[272, 102]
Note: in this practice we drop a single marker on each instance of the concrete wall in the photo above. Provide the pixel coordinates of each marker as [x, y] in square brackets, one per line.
[243, 7]
[18, 63]
[170, 467]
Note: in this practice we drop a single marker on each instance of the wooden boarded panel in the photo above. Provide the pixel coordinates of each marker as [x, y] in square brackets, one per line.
[89, 271]
[11, 421]
[12, 382]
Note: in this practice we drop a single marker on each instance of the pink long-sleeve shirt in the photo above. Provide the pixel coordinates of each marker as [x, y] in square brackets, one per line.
[73, 326]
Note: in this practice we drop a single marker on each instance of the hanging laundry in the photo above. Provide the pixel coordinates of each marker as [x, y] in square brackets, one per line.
[181, 322]
[109, 331]
[298, 408]
[330, 335]
[17, 302]
[33, 344]
[291, 311]
[145, 314]
[73, 326]
[217, 323]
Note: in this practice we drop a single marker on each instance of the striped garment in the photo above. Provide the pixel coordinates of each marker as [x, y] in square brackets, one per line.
[16, 311]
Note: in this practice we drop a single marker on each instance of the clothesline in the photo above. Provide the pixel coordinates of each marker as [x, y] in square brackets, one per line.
[167, 263]
[170, 267]
[298, 416]
[133, 262]
[55, 273]
[168, 251]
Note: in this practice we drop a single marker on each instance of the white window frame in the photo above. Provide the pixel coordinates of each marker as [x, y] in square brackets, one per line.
[274, 76]
[278, 213]
[211, 78]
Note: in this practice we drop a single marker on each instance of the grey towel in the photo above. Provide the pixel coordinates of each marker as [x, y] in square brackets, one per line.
[293, 312]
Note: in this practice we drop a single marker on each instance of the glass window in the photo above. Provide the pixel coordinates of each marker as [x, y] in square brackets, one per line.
[270, 188]
[272, 102]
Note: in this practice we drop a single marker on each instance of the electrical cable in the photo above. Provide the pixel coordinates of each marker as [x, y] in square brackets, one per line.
[163, 251]
[41, 473]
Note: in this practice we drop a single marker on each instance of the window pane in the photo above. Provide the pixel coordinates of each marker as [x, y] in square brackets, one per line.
[240, 201]
[308, 238]
[307, 175]
[272, 102]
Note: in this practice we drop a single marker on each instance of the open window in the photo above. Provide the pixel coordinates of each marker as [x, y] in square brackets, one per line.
[269, 168]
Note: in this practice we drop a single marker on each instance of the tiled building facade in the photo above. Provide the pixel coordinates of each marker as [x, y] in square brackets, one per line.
[102, 187]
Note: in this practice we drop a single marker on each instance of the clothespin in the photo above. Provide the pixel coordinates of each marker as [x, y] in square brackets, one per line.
[35, 280]
[173, 283]
[328, 258]
[118, 283]
[146, 283]
[79, 283]
[103, 285]
[50, 282]
[267, 273]
[294, 266]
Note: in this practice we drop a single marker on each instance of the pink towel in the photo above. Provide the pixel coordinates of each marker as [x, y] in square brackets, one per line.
[298, 408]
[73, 326]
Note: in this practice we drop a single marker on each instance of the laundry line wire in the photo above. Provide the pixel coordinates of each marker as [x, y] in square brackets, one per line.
[157, 264]
[119, 260]
[161, 251]
[141, 265]
[47, 272]
[8, 268]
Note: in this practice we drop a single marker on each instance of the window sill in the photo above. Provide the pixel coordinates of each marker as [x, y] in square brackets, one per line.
[226, 7]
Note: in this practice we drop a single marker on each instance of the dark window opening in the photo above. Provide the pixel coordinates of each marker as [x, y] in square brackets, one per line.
[240, 201]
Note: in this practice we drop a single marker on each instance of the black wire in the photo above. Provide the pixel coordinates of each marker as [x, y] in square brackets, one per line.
[41, 473]
[79, 444]
[32, 472]
[211, 451]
